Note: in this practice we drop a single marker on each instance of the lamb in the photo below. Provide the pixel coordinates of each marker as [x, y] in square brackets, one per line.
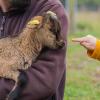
[18, 53]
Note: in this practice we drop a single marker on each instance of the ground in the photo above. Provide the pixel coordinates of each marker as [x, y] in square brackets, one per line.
[83, 73]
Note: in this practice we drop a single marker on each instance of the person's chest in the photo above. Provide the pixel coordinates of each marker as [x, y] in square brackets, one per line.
[14, 24]
[11, 25]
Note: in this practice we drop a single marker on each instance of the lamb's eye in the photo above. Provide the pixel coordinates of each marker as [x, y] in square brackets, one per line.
[54, 32]
[51, 29]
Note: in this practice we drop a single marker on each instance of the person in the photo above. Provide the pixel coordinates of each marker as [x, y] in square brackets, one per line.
[46, 76]
[92, 44]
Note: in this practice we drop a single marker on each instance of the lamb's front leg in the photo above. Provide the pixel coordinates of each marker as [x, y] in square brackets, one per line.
[21, 81]
[14, 76]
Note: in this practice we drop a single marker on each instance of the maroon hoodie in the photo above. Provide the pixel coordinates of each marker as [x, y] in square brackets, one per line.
[46, 77]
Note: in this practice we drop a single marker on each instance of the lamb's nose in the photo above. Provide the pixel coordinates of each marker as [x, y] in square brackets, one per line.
[60, 44]
[52, 15]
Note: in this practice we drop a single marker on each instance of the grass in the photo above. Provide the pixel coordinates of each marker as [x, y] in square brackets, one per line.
[83, 73]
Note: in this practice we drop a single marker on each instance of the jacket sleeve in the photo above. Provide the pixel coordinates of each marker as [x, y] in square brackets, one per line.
[45, 74]
[95, 53]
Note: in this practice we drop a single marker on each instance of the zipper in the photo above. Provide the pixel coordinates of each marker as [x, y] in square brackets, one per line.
[2, 34]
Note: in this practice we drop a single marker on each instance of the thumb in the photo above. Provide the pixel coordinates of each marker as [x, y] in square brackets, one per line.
[86, 45]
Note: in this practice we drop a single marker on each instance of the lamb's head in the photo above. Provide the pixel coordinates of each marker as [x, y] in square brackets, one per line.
[47, 29]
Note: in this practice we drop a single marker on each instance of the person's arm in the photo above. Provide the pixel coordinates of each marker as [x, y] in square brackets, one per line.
[92, 44]
[44, 75]
[96, 52]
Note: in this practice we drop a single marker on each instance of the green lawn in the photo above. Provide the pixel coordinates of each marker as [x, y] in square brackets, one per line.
[83, 73]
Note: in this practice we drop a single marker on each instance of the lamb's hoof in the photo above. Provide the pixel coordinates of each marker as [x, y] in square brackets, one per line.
[12, 96]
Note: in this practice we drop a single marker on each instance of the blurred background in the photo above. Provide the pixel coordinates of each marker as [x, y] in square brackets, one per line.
[83, 73]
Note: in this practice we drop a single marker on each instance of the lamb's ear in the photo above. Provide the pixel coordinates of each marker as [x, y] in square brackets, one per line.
[55, 26]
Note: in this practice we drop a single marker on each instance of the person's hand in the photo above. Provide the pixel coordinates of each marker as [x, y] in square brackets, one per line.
[89, 42]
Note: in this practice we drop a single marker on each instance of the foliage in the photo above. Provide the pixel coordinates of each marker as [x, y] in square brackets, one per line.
[84, 26]
[89, 2]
